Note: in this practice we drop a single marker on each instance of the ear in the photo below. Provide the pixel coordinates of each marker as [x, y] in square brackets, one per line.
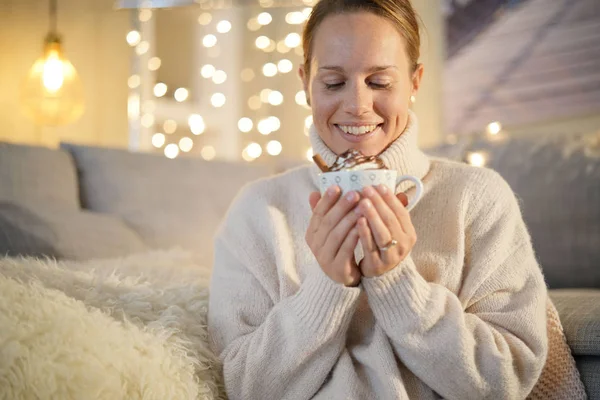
[416, 79]
[305, 78]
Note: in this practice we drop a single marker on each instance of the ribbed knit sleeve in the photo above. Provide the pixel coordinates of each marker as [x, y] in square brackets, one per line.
[489, 341]
[271, 348]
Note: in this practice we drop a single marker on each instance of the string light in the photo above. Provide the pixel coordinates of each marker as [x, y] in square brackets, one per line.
[196, 124]
[300, 98]
[181, 95]
[264, 18]
[158, 140]
[274, 148]
[160, 89]
[245, 124]
[223, 26]
[207, 71]
[262, 42]
[477, 159]
[133, 38]
[147, 120]
[253, 24]
[284, 66]
[186, 144]
[218, 100]
[171, 151]
[269, 70]
[264, 95]
[154, 63]
[254, 150]
[142, 48]
[295, 18]
[494, 128]
[219, 77]
[275, 98]
[145, 15]
[133, 81]
[247, 74]
[209, 40]
[292, 40]
[208, 153]
[170, 126]
[204, 19]
[254, 103]
[282, 47]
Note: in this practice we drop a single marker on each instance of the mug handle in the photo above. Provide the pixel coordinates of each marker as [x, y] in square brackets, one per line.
[418, 187]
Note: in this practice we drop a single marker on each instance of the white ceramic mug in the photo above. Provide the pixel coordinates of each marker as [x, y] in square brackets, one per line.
[357, 180]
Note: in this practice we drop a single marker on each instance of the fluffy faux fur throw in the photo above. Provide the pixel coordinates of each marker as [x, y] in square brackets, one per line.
[130, 328]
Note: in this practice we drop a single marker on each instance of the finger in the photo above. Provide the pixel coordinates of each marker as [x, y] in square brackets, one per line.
[335, 214]
[383, 206]
[397, 207]
[337, 235]
[327, 201]
[313, 199]
[352, 274]
[366, 238]
[380, 231]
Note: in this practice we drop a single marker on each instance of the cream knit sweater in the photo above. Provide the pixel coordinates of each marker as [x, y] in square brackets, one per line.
[463, 317]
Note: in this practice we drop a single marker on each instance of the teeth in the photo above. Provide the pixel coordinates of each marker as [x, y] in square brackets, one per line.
[358, 130]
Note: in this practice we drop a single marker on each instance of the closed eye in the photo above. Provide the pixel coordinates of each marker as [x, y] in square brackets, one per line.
[380, 85]
[333, 86]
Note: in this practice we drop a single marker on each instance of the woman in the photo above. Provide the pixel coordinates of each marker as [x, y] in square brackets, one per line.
[457, 313]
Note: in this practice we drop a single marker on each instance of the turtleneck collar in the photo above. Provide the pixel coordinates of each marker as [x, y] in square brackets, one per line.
[403, 154]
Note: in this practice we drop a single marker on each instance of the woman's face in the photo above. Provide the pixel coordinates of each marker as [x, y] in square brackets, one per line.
[360, 82]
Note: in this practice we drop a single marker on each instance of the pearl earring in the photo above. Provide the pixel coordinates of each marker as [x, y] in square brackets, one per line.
[413, 99]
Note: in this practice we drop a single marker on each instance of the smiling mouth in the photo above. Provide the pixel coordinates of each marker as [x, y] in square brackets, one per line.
[358, 130]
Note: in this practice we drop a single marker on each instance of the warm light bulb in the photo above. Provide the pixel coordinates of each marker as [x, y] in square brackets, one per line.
[275, 98]
[284, 66]
[292, 40]
[186, 144]
[264, 18]
[245, 124]
[208, 153]
[274, 148]
[223, 26]
[477, 159]
[52, 93]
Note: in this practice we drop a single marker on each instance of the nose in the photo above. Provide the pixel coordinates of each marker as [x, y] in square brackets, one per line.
[358, 100]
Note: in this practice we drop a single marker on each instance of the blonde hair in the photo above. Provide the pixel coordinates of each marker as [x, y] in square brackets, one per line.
[399, 12]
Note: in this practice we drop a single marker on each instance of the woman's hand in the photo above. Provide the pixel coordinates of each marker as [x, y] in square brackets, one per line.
[332, 234]
[384, 218]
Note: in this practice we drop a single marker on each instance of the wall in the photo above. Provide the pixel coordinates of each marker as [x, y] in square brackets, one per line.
[94, 40]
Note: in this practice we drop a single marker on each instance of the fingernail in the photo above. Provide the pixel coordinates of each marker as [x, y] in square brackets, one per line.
[368, 191]
[367, 204]
[332, 191]
[350, 197]
[382, 189]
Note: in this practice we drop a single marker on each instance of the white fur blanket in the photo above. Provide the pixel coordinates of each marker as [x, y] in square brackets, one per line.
[130, 328]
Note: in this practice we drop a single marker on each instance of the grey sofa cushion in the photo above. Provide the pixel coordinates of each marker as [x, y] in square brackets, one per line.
[557, 179]
[64, 234]
[168, 202]
[589, 370]
[37, 177]
[579, 311]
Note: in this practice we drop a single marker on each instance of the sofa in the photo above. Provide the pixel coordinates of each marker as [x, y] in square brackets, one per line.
[83, 203]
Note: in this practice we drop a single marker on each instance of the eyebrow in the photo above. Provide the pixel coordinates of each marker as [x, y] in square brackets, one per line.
[377, 68]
